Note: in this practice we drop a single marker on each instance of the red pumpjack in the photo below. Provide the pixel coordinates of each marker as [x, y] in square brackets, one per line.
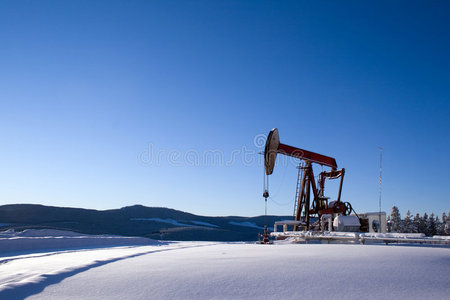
[306, 209]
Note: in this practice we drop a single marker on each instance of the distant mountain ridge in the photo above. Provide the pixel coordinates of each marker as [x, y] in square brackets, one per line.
[137, 220]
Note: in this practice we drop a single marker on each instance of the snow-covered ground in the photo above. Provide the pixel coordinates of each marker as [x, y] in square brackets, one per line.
[177, 223]
[204, 224]
[168, 221]
[45, 239]
[245, 224]
[205, 270]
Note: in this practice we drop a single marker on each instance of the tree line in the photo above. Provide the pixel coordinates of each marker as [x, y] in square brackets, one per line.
[428, 224]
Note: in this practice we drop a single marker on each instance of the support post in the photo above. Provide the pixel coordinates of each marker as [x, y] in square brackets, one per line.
[301, 195]
[340, 184]
[307, 198]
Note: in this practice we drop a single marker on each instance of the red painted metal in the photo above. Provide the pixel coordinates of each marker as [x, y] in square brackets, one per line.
[310, 204]
[334, 174]
[307, 155]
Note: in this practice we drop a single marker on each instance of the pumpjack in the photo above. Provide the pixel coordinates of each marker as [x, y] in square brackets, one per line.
[311, 202]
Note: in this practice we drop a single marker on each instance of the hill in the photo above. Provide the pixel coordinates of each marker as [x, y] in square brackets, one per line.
[153, 222]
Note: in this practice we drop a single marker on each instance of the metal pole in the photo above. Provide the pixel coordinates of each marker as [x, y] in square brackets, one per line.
[340, 184]
[379, 189]
[308, 195]
[265, 210]
[265, 195]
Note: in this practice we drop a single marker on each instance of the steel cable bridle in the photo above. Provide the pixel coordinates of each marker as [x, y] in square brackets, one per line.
[265, 195]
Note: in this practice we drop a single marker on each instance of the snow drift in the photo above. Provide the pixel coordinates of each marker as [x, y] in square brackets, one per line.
[205, 270]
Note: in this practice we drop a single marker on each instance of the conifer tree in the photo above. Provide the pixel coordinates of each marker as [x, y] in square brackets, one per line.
[447, 224]
[407, 223]
[395, 219]
[423, 224]
[416, 223]
[431, 225]
[439, 226]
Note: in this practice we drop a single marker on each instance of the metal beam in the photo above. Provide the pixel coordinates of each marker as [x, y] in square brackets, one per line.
[307, 155]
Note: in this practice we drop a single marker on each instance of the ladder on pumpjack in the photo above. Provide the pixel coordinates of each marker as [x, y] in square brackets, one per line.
[297, 189]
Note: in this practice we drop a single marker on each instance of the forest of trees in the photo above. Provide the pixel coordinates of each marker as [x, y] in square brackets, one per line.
[427, 224]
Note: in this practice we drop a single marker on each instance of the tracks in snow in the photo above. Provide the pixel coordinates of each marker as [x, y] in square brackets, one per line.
[25, 275]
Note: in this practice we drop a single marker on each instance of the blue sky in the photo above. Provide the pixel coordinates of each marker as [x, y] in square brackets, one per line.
[105, 104]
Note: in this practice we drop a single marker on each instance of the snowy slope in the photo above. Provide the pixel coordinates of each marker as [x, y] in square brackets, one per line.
[50, 239]
[167, 221]
[201, 270]
[246, 224]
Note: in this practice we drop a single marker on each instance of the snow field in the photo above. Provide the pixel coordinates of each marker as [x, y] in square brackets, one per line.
[247, 271]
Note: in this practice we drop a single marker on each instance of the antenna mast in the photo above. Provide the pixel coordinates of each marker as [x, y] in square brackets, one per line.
[379, 188]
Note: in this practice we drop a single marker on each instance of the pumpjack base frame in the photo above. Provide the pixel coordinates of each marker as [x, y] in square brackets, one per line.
[359, 237]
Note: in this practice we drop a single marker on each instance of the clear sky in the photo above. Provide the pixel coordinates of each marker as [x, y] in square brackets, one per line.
[105, 104]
